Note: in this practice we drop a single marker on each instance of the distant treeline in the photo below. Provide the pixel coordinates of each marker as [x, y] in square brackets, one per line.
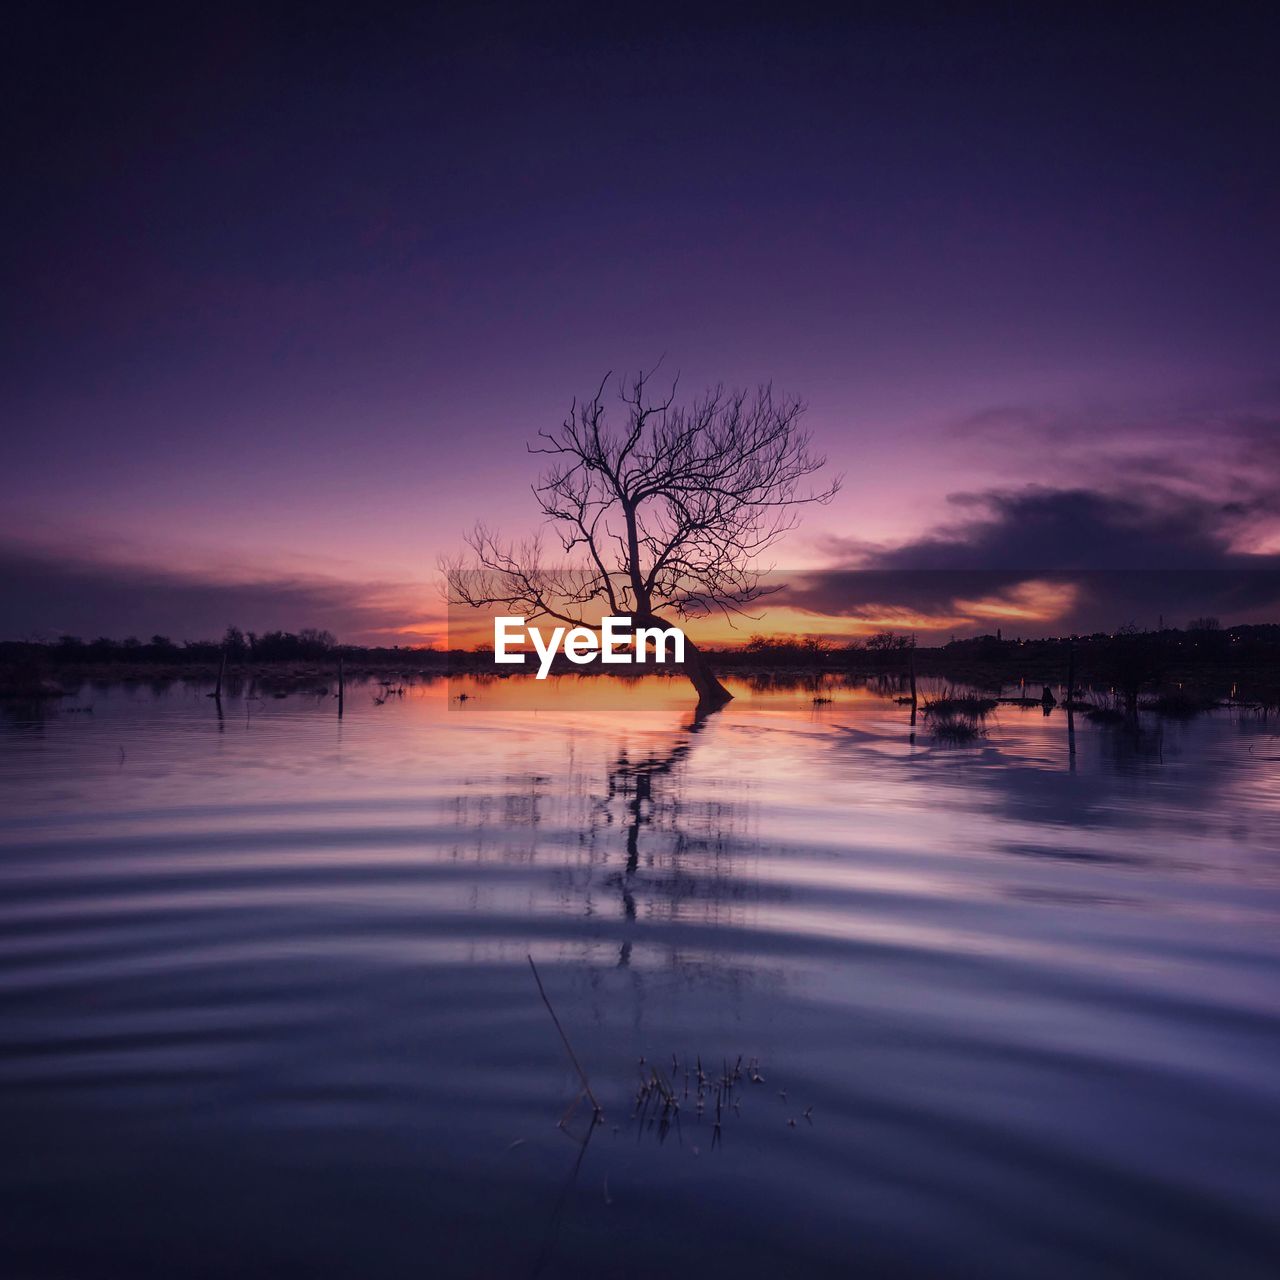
[1204, 641]
[1241, 661]
[307, 645]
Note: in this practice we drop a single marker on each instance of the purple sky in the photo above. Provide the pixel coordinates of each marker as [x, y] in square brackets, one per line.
[285, 298]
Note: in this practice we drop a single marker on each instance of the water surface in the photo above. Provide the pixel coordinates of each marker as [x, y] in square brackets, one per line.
[268, 1010]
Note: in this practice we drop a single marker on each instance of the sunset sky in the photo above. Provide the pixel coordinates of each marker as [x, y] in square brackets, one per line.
[285, 298]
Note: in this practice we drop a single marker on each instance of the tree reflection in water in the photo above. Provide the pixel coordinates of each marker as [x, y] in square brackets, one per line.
[689, 862]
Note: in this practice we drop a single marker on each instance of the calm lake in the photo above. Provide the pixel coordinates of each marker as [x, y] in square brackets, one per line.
[987, 1009]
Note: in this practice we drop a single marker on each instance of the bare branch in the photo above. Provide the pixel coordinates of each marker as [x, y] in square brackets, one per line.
[672, 507]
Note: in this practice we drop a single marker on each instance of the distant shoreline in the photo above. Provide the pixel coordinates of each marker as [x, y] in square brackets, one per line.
[1208, 685]
[1241, 661]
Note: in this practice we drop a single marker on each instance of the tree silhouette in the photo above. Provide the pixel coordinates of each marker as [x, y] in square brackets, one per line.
[663, 513]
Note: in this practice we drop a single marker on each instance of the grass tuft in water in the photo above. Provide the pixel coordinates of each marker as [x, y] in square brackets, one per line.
[958, 718]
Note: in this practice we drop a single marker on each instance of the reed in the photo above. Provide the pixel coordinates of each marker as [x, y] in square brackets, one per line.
[573, 1057]
[958, 718]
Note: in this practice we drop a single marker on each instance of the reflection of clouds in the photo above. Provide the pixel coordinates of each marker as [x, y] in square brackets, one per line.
[1186, 796]
[667, 843]
[935, 943]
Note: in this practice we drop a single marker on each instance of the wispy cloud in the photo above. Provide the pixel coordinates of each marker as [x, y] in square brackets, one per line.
[1216, 447]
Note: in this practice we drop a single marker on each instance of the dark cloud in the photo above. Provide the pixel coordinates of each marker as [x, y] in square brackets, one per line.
[1039, 528]
[1049, 560]
[44, 594]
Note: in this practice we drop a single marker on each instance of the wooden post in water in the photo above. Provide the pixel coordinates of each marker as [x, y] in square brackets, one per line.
[342, 688]
[222, 667]
[1071, 697]
[911, 660]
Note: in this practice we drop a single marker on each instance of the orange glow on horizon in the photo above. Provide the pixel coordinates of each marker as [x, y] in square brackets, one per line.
[1033, 601]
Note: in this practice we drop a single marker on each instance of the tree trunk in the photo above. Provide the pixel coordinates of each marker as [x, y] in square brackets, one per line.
[711, 693]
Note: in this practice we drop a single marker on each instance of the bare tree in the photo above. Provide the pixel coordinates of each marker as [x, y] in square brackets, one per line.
[666, 512]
